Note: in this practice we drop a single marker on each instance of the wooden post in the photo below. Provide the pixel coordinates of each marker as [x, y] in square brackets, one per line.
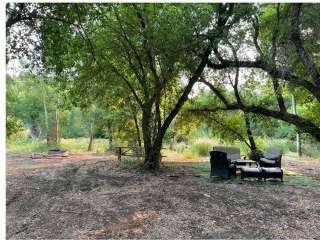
[119, 154]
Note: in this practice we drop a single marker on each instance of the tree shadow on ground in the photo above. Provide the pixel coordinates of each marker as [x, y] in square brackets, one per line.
[202, 170]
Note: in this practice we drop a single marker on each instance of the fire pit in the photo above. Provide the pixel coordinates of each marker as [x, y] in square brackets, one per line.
[52, 153]
[57, 153]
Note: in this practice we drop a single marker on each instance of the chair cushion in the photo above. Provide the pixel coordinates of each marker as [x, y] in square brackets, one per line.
[250, 169]
[272, 170]
[233, 157]
[267, 161]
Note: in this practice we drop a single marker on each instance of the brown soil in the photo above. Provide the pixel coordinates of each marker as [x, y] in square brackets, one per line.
[91, 197]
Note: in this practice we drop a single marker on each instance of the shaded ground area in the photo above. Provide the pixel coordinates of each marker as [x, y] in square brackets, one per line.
[91, 197]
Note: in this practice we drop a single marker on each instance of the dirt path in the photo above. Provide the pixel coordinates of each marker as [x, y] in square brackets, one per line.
[87, 197]
[18, 164]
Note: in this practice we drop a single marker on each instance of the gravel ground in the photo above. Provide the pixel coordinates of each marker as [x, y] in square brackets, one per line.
[94, 198]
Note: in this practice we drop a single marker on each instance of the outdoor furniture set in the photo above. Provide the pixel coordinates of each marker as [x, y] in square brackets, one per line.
[225, 161]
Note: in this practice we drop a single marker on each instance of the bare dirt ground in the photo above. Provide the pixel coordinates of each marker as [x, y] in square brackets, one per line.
[91, 197]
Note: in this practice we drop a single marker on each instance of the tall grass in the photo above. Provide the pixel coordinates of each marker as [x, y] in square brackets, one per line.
[201, 147]
[26, 145]
[74, 145]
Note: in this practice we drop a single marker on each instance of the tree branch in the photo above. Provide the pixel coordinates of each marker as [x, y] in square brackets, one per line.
[236, 81]
[274, 72]
[276, 86]
[216, 91]
[303, 124]
[230, 129]
[304, 57]
[256, 27]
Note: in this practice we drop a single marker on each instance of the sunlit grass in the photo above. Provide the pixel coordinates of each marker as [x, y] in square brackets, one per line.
[201, 147]
[26, 146]
[78, 145]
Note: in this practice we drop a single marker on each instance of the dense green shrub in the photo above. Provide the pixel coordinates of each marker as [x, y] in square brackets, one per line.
[13, 126]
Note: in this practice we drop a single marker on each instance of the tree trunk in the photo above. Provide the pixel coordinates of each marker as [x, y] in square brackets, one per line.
[110, 135]
[255, 154]
[45, 109]
[137, 130]
[33, 128]
[152, 153]
[91, 128]
[90, 143]
[58, 121]
[173, 142]
[90, 137]
[298, 142]
[52, 133]
[253, 146]
[152, 156]
[298, 139]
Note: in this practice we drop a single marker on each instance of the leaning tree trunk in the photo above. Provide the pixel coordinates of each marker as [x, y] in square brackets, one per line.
[253, 146]
[255, 153]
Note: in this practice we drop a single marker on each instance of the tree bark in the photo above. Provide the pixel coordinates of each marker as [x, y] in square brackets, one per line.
[298, 139]
[46, 120]
[151, 152]
[137, 130]
[253, 146]
[91, 128]
[110, 135]
[90, 143]
[58, 121]
[90, 146]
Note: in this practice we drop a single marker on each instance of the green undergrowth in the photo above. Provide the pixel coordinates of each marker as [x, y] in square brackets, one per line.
[202, 170]
[201, 146]
[301, 180]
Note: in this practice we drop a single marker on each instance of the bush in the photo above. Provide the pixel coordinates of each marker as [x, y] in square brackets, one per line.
[198, 149]
[201, 149]
[180, 147]
[311, 150]
[13, 126]
[188, 154]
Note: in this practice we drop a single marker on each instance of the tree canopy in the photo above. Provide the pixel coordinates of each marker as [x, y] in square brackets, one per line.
[147, 58]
